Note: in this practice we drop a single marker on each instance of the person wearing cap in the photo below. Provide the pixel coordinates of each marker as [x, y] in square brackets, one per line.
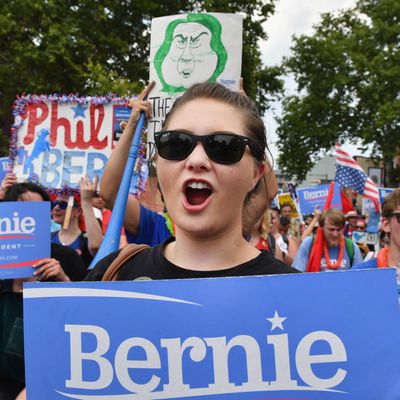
[388, 256]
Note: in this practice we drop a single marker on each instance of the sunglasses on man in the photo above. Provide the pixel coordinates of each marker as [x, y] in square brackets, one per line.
[220, 147]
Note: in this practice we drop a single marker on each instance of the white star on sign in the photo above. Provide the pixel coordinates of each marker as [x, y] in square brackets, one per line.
[276, 321]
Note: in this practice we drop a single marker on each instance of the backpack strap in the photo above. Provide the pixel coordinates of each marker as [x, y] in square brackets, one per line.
[271, 244]
[350, 249]
[124, 255]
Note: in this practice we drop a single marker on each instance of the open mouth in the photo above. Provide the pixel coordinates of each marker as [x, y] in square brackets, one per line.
[197, 193]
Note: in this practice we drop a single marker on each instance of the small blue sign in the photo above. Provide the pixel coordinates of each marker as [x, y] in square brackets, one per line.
[288, 336]
[24, 237]
[315, 196]
[383, 192]
[5, 165]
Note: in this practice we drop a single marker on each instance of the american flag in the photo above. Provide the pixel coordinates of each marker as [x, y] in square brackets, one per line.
[350, 174]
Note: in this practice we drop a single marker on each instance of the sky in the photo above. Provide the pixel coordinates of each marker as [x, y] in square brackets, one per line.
[293, 17]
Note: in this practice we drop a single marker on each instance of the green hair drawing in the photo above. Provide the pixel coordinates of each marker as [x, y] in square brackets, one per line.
[187, 52]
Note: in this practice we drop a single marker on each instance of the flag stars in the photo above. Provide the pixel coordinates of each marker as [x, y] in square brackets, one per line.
[79, 111]
[276, 321]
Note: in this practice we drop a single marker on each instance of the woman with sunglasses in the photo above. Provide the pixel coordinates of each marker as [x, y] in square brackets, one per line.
[210, 161]
[85, 243]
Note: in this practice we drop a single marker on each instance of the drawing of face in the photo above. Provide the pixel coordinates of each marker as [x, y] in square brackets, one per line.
[190, 58]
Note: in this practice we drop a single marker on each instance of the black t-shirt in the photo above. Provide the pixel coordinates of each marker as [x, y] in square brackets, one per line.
[152, 264]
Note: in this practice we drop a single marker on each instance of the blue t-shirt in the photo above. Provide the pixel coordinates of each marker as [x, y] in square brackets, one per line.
[152, 229]
[301, 259]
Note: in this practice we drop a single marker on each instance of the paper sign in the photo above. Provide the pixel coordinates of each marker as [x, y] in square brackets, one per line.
[288, 336]
[315, 196]
[192, 48]
[24, 237]
[285, 198]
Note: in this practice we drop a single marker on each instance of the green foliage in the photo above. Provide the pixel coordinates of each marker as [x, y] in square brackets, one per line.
[100, 46]
[347, 74]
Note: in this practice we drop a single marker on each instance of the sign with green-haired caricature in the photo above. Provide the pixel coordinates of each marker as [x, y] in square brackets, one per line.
[188, 49]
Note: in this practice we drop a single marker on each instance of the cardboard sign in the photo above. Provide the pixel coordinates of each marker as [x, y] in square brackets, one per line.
[192, 48]
[5, 164]
[285, 198]
[24, 237]
[315, 196]
[288, 336]
[58, 140]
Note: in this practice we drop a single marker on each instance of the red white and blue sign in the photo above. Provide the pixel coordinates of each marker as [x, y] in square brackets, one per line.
[325, 336]
[310, 198]
[5, 167]
[24, 237]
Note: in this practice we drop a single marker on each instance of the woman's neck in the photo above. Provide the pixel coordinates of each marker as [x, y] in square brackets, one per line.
[68, 235]
[208, 254]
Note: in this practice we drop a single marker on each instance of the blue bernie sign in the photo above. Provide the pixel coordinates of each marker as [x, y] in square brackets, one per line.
[383, 192]
[24, 237]
[315, 196]
[5, 164]
[326, 336]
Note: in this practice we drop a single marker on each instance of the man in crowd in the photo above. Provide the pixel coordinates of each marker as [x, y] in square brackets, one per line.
[329, 250]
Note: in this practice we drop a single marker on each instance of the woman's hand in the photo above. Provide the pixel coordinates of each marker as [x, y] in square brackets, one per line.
[88, 188]
[9, 180]
[139, 104]
[50, 269]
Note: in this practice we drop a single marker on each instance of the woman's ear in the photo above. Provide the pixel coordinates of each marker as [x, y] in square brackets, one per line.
[259, 171]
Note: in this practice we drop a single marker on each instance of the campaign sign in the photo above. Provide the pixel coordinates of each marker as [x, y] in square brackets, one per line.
[59, 139]
[288, 336]
[5, 164]
[310, 198]
[24, 237]
[383, 192]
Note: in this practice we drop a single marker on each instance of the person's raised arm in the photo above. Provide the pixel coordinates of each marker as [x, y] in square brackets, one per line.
[114, 169]
[93, 228]
[310, 228]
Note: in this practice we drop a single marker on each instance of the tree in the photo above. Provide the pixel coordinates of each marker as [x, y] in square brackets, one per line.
[347, 75]
[100, 46]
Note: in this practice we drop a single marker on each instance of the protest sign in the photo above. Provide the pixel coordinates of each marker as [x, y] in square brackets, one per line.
[5, 164]
[24, 237]
[312, 197]
[192, 48]
[58, 139]
[286, 198]
[227, 338]
[383, 192]
[371, 239]
[368, 206]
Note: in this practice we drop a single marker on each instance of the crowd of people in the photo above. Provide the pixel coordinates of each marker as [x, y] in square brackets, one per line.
[217, 186]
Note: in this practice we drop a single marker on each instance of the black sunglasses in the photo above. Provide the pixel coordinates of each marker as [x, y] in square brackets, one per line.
[62, 205]
[221, 147]
[397, 216]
